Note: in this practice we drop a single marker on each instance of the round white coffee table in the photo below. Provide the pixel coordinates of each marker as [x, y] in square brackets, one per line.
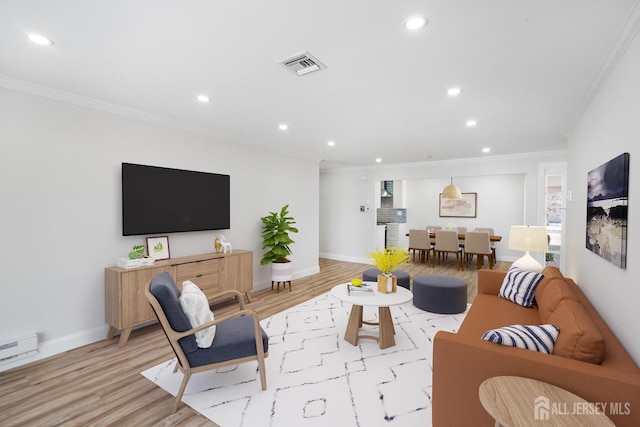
[378, 299]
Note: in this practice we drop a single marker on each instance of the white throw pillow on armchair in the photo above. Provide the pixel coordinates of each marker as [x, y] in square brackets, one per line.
[195, 305]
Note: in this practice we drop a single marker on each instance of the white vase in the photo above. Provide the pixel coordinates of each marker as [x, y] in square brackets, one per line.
[389, 282]
[281, 271]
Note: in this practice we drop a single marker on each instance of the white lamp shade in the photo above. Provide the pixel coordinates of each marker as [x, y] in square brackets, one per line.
[528, 238]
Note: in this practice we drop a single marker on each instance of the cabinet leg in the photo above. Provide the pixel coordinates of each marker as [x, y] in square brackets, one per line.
[111, 333]
[248, 294]
[124, 336]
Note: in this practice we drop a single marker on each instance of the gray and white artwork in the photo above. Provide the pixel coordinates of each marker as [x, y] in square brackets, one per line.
[607, 198]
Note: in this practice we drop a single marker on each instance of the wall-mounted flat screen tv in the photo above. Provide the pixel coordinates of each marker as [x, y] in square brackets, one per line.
[163, 200]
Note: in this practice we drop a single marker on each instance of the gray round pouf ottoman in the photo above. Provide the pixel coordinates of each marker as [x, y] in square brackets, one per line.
[371, 275]
[440, 294]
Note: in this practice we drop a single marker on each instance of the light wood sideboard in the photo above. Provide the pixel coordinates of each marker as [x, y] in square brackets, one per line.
[127, 307]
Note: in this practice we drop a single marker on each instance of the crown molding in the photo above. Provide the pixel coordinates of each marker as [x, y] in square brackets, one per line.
[459, 161]
[626, 36]
[86, 102]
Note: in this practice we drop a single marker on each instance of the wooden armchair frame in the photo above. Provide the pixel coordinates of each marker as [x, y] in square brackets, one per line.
[183, 362]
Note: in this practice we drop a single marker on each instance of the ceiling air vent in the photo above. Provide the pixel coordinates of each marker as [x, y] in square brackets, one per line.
[302, 63]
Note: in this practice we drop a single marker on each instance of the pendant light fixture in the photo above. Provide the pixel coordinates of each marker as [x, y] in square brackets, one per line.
[451, 191]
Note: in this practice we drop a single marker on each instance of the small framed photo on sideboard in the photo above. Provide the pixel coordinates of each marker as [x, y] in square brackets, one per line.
[158, 247]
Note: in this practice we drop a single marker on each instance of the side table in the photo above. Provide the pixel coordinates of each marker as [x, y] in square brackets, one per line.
[522, 402]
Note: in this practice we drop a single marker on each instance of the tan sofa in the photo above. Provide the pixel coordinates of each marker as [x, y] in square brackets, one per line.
[587, 360]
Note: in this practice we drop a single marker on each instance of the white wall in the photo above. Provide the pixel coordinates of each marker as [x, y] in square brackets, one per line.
[500, 202]
[60, 209]
[609, 128]
[507, 188]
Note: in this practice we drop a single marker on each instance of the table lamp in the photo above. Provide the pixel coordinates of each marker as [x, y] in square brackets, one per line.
[529, 239]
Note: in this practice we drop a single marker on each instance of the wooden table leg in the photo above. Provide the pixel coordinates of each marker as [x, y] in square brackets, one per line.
[387, 331]
[355, 322]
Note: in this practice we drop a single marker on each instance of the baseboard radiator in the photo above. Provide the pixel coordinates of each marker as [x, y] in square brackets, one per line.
[18, 348]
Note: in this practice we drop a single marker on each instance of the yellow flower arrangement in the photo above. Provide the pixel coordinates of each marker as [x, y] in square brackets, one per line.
[389, 259]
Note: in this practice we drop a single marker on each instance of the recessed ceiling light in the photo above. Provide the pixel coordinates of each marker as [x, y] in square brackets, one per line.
[41, 40]
[203, 98]
[415, 22]
[486, 150]
[454, 91]
[331, 143]
[378, 160]
[283, 127]
[471, 123]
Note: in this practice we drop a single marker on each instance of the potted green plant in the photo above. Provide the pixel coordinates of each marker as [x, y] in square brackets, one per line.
[275, 237]
[549, 257]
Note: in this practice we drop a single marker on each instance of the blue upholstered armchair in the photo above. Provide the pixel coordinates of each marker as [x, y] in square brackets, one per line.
[238, 337]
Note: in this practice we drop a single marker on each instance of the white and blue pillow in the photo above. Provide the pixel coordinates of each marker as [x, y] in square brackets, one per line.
[519, 286]
[541, 338]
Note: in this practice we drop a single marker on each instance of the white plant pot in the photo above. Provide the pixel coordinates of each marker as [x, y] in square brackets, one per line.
[281, 271]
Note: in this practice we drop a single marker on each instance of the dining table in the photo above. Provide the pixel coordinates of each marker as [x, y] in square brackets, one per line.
[492, 238]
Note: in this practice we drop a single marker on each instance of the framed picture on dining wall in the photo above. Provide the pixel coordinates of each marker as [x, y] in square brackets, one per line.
[464, 207]
[607, 199]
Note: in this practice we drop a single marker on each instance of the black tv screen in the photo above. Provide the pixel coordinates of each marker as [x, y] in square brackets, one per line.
[163, 200]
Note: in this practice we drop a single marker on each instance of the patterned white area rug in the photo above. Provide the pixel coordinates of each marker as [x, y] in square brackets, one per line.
[316, 378]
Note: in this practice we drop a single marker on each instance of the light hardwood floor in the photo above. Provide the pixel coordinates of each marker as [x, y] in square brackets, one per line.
[100, 384]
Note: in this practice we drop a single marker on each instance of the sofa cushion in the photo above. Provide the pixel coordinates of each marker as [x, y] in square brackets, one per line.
[539, 338]
[579, 337]
[549, 274]
[550, 293]
[490, 312]
[195, 305]
[519, 286]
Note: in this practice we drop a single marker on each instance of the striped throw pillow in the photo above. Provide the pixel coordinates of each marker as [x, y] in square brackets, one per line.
[531, 337]
[519, 286]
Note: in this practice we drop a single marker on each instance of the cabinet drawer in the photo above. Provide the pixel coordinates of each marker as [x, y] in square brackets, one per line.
[196, 269]
[207, 282]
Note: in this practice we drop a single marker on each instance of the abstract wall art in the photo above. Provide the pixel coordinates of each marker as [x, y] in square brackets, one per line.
[607, 198]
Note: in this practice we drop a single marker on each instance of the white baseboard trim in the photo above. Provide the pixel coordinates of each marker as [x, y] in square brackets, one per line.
[57, 346]
[345, 258]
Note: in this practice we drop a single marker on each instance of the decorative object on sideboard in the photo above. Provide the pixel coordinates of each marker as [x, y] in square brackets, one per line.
[529, 239]
[136, 258]
[158, 247]
[607, 212]
[221, 245]
[137, 252]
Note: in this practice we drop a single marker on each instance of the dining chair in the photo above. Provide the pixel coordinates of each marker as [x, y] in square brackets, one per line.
[238, 336]
[477, 243]
[447, 242]
[419, 242]
[433, 229]
[493, 245]
[461, 230]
